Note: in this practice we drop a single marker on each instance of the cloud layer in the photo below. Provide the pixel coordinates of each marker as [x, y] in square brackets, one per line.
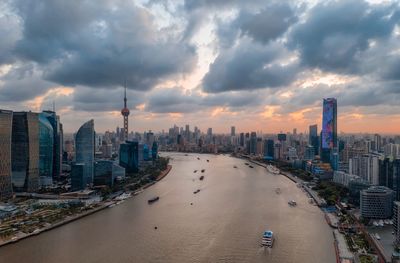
[229, 60]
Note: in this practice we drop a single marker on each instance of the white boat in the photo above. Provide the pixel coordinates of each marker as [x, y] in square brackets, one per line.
[272, 169]
[292, 203]
[267, 239]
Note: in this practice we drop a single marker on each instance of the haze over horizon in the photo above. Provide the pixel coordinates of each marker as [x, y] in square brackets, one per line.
[252, 64]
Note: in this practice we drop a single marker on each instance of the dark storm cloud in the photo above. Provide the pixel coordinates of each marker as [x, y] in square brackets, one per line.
[249, 66]
[336, 33]
[268, 23]
[174, 100]
[22, 83]
[99, 43]
[87, 99]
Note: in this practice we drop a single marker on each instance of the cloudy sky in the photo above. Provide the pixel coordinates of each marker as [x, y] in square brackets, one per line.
[256, 64]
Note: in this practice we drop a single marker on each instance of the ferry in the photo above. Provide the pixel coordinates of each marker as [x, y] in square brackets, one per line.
[152, 200]
[195, 192]
[272, 169]
[292, 203]
[267, 239]
[201, 178]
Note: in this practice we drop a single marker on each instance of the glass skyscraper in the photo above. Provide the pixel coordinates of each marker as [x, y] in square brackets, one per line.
[25, 151]
[57, 142]
[46, 144]
[84, 144]
[5, 154]
[129, 156]
[313, 138]
[329, 129]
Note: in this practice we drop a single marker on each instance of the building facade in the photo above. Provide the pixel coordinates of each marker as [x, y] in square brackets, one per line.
[376, 202]
[129, 156]
[5, 154]
[329, 129]
[85, 149]
[46, 147]
[25, 151]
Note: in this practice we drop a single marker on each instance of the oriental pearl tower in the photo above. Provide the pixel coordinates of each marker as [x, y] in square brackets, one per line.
[125, 114]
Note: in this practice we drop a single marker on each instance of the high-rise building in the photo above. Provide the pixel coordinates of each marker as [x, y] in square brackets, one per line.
[46, 150]
[25, 152]
[269, 149]
[396, 221]
[106, 172]
[376, 202]
[129, 156]
[5, 154]
[57, 142]
[241, 139]
[253, 143]
[378, 142]
[84, 147]
[329, 129]
[233, 131]
[313, 138]
[125, 113]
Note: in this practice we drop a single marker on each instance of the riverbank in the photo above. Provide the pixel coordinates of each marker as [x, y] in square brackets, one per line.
[164, 173]
[68, 219]
[55, 225]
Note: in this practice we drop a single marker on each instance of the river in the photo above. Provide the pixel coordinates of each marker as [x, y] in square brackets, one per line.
[224, 223]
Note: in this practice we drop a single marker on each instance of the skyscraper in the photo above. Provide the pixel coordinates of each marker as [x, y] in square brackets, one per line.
[125, 113]
[57, 142]
[329, 129]
[253, 143]
[46, 147]
[25, 151]
[233, 131]
[129, 156]
[84, 147]
[313, 138]
[5, 154]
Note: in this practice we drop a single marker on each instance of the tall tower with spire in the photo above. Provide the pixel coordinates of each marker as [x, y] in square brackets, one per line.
[125, 113]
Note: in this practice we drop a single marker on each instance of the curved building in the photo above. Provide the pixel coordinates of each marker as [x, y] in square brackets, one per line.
[46, 144]
[84, 147]
[25, 152]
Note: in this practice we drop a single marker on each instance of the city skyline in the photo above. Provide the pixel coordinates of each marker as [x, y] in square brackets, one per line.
[198, 62]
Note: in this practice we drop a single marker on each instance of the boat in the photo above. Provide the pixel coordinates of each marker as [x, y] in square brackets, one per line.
[152, 200]
[195, 171]
[251, 166]
[377, 236]
[267, 239]
[273, 169]
[246, 163]
[292, 203]
[203, 170]
[198, 158]
[278, 190]
[201, 178]
[208, 160]
[234, 166]
[195, 192]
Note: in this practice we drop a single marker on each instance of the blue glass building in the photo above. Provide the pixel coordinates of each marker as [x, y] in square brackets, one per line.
[46, 144]
[85, 148]
[329, 129]
[154, 150]
[129, 156]
[77, 177]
